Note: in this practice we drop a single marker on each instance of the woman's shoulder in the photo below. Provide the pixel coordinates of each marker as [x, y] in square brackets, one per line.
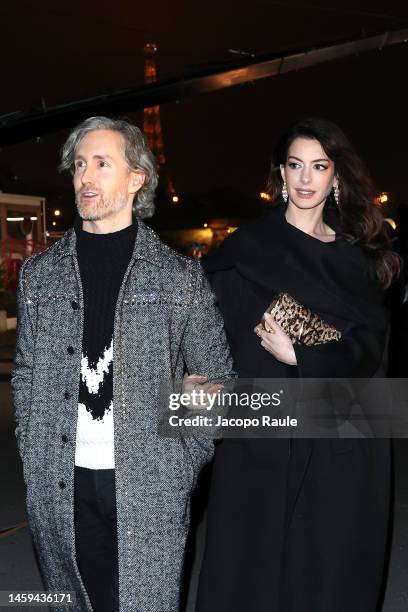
[359, 268]
[243, 243]
[355, 254]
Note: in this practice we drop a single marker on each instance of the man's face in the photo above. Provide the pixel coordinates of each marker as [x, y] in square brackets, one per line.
[103, 183]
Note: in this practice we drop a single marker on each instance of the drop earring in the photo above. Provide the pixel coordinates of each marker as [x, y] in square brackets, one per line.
[336, 192]
[284, 192]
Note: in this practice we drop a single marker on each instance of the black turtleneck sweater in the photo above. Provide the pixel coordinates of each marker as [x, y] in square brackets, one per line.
[103, 260]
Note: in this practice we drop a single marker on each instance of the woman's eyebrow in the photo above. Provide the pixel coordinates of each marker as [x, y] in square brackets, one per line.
[325, 159]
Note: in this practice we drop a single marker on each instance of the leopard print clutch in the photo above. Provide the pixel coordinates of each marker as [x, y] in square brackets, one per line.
[300, 323]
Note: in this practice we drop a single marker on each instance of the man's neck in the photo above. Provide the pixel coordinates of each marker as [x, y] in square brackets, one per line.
[108, 225]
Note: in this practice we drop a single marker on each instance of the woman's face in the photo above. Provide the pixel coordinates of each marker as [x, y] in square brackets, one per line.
[308, 172]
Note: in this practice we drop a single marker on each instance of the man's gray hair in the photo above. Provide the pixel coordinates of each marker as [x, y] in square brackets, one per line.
[137, 154]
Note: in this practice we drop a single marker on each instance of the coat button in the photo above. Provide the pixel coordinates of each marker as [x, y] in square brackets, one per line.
[74, 304]
[64, 438]
[67, 395]
[71, 350]
[62, 484]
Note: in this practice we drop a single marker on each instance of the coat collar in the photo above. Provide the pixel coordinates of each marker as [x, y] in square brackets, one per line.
[147, 245]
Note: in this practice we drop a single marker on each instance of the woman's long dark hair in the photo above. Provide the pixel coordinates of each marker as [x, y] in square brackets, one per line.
[360, 220]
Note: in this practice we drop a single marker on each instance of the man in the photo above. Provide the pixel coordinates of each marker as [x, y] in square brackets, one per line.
[105, 315]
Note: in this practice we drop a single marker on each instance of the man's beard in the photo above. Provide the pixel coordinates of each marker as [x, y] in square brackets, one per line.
[105, 206]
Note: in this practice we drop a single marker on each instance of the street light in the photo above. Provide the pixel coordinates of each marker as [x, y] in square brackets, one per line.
[391, 222]
[382, 198]
[57, 212]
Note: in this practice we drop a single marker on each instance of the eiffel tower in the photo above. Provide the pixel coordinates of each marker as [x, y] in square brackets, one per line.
[152, 123]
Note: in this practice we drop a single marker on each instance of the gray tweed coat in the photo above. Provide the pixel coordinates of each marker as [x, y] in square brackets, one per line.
[165, 322]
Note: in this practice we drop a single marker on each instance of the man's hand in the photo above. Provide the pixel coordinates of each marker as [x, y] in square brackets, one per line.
[275, 340]
[199, 387]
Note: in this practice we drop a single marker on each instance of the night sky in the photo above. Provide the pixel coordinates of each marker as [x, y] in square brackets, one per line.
[63, 51]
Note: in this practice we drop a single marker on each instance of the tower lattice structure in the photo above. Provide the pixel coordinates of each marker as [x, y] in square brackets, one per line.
[151, 119]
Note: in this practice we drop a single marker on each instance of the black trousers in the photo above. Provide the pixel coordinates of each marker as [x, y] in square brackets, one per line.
[96, 536]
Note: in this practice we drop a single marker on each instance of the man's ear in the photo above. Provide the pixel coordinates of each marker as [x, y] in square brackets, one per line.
[137, 179]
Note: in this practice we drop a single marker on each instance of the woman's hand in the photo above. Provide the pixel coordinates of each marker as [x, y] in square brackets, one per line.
[276, 341]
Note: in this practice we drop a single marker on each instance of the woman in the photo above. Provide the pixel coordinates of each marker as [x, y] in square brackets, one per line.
[301, 525]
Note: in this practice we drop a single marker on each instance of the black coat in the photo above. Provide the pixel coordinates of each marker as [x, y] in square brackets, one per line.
[300, 525]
